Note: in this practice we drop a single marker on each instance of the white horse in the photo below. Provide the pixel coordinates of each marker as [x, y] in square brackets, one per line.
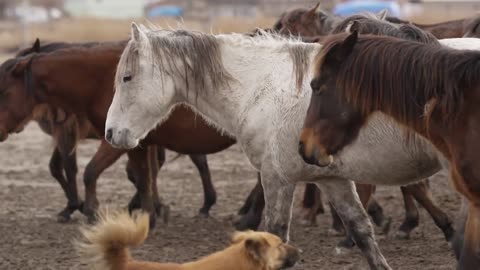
[257, 90]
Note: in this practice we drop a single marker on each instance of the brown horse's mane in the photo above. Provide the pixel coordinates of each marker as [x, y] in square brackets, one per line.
[368, 23]
[400, 77]
[61, 50]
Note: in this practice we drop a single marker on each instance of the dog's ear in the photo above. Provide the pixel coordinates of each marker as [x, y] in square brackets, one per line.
[240, 236]
[255, 247]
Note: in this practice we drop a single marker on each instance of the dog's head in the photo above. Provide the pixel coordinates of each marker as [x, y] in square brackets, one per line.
[267, 250]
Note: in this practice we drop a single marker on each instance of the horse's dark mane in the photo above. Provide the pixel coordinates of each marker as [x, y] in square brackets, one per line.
[400, 77]
[396, 20]
[369, 24]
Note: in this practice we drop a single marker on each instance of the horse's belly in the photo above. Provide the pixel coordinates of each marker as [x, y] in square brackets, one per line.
[397, 174]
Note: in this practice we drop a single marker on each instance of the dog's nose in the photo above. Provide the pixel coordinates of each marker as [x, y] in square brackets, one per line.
[293, 256]
[109, 134]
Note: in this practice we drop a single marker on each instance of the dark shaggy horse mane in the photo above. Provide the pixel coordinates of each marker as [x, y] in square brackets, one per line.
[401, 77]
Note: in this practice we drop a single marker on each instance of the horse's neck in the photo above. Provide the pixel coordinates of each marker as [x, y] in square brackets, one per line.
[451, 24]
[444, 28]
[259, 73]
[90, 81]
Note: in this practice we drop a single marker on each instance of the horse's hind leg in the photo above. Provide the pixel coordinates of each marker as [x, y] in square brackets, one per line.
[66, 144]
[105, 156]
[56, 170]
[71, 169]
[412, 217]
[139, 159]
[210, 195]
[365, 193]
[343, 197]
[421, 193]
[375, 211]
[134, 175]
[312, 205]
[253, 215]
[337, 228]
[249, 201]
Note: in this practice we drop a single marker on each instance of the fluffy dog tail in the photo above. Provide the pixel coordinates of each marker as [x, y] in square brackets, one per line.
[105, 245]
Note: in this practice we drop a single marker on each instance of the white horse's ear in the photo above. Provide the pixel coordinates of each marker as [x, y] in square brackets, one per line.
[382, 15]
[352, 26]
[137, 32]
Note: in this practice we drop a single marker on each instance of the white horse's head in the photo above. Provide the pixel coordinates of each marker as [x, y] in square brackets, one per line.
[142, 92]
[157, 70]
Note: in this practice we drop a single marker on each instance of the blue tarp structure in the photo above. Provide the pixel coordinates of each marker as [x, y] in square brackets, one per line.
[355, 7]
[165, 11]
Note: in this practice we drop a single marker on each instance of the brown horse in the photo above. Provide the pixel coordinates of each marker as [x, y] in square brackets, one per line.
[432, 90]
[67, 129]
[312, 25]
[372, 24]
[85, 90]
[316, 22]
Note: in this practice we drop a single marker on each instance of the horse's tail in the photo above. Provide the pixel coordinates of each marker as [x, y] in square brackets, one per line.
[105, 245]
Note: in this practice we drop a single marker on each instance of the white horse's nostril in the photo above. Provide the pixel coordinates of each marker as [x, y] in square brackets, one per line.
[109, 134]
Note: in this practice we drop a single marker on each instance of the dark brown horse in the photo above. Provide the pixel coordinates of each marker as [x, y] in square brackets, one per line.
[432, 90]
[316, 22]
[67, 129]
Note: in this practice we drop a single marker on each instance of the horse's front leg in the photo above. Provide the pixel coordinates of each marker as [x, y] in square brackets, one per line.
[278, 194]
[345, 200]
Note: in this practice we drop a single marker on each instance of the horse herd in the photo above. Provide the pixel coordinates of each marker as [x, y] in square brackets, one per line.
[314, 99]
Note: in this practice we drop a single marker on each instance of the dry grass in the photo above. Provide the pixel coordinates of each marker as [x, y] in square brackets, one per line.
[92, 29]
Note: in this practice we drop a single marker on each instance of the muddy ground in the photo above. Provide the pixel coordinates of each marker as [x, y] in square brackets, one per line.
[30, 237]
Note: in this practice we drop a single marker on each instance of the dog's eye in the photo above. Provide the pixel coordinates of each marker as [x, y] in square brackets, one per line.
[127, 78]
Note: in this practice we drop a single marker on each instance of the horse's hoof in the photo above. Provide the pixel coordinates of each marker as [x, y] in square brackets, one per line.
[402, 235]
[91, 219]
[339, 251]
[63, 218]
[203, 215]
[335, 232]
[204, 212]
[386, 225]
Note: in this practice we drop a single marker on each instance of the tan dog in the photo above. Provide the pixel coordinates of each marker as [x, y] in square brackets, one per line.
[106, 247]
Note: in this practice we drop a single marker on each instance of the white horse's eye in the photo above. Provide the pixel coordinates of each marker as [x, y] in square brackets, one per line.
[127, 78]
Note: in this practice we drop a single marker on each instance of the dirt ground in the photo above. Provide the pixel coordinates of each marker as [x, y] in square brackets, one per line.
[30, 237]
